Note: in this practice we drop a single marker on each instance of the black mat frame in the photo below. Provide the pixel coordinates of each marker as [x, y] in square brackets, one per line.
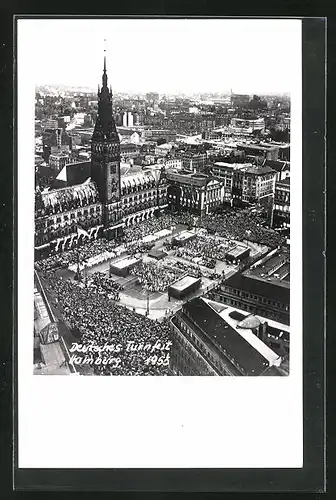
[311, 477]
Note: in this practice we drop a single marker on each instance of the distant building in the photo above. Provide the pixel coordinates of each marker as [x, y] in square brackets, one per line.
[129, 134]
[127, 120]
[246, 183]
[258, 124]
[263, 290]
[265, 151]
[281, 167]
[173, 163]
[195, 162]
[284, 152]
[54, 141]
[49, 123]
[44, 176]
[196, 193]
[58, 160]
[163, 149]
[152, 97]
[155, 135]
[81, 136]
[129, 150]
[239, 99]
[281, 206]
[63, 121]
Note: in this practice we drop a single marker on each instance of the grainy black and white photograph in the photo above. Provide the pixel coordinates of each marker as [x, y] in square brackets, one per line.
[162, 200]
[159, 245]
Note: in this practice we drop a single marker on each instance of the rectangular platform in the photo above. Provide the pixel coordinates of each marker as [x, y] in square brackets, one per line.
[123, 266]
[184, 287]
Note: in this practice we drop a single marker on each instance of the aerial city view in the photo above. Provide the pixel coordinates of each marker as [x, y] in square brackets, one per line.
[161, 232]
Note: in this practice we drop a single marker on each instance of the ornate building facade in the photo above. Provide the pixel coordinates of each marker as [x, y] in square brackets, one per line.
[102, 201]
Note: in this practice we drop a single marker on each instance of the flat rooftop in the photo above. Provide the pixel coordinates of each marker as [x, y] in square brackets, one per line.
[260, 287]
[234, 318]
[184, 283]
[128, 261]
[184, 235]
[237, 251]
[226, 338]
[273, 268]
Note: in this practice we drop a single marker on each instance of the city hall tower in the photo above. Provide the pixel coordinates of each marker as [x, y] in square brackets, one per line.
[105, 153]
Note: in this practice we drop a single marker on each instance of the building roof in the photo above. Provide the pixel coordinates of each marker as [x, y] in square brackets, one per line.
[128, 145]
[187, 177]
[157, 254]
[258, 147]
[238, 251]
[75, 173]
[264, 170]
[137, 179]
[225, 337]
[277, 165]
[184, 283]
[124, 263]
[259, 287]
[127, 169]
[184, 236]
[284, 182]
[126, 131]
[44, 171]
[83, 192]
[237, 315]
[250, 322]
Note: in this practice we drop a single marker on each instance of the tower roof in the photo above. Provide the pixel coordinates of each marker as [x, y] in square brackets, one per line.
[105, 128]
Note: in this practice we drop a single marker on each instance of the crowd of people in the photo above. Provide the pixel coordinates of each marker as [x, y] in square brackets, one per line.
[155, 277]
[242, 225]
[205, 250]
[87, 250]
[150, 226]
[100, 321]
[102, 283]
[138, 246]
[192, 269]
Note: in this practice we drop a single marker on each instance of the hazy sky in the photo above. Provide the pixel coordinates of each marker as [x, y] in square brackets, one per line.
[165, 55]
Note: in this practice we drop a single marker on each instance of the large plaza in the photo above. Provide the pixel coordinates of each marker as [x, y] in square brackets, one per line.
[137, 275]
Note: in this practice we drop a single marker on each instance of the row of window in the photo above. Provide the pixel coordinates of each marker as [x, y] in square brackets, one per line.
[147, 195]
[93, 211]
[141, 187]
[202, 347]
[250, 308]
[257, 298]
[188, 356]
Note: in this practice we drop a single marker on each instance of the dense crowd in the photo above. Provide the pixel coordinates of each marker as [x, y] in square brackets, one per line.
[230, 224]
[138, 246]
[102, 283]
[100, 321]
[84, 252]
[147, 227]
[155, 277]
[205, 250]
[191, 269]
[242, 225]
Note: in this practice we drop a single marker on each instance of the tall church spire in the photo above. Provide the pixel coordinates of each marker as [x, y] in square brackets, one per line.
[104, 72]
[105, 128]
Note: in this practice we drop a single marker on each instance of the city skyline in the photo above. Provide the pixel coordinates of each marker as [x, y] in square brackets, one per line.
[172, 65]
